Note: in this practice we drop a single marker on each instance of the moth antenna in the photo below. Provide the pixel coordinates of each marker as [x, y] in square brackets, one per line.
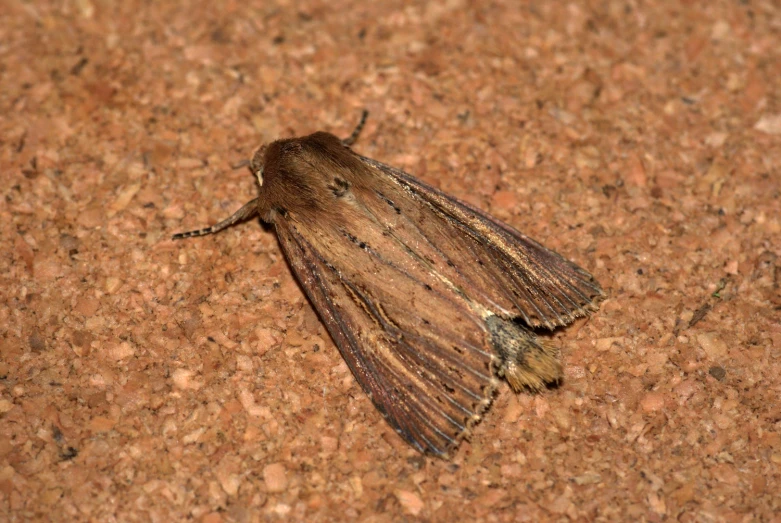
[239, 165]
[249, 210]
[354, 136]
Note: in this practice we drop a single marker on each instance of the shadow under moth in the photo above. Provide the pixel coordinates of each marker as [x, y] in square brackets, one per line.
[429, 300]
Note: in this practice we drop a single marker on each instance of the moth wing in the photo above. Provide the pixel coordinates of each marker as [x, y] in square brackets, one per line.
[417, 350]
[509, 272]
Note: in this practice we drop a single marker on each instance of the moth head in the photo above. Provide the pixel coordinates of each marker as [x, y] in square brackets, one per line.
[257, 163]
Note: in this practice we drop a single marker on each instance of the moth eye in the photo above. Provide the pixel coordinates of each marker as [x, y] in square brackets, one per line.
[257, 162]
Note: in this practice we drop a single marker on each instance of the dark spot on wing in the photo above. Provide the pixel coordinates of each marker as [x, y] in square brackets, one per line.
[339, 187]
[356, 241]
[389, 202]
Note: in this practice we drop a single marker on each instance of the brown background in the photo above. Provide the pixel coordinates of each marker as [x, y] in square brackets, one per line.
[150, 380]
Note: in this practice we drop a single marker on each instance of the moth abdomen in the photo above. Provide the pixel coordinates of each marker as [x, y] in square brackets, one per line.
[527, 361]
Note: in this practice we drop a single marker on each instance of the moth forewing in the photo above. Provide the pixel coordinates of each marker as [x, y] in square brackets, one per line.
[545, 289]
[429, 300]
[416, 387]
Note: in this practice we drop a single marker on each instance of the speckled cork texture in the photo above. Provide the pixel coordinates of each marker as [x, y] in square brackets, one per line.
[143, 379]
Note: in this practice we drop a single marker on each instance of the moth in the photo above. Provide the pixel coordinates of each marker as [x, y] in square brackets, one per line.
[429, 300]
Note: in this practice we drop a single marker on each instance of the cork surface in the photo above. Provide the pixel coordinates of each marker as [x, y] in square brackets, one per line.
[143, 379]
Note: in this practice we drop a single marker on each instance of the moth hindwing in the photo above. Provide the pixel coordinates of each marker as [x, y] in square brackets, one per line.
[429, 300]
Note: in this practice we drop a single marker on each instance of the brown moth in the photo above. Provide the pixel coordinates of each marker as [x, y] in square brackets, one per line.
[428, 299]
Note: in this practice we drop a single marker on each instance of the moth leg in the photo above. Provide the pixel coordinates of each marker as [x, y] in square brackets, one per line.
[527, 361]
[249, 210]
[354, 136]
